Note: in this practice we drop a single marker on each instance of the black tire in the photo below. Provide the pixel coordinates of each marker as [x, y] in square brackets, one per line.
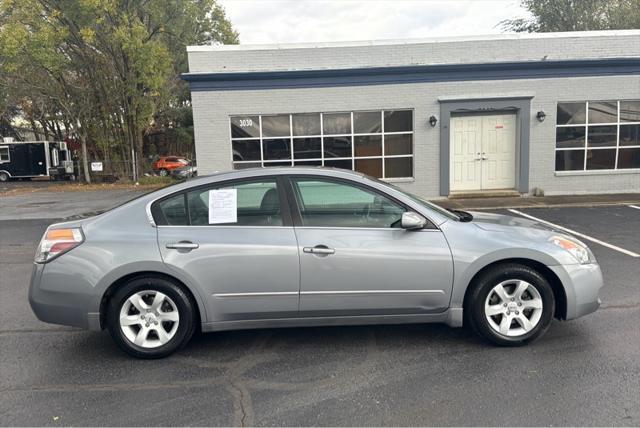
[184, 305]
[163, 173]
[4, 177]
[475, 303]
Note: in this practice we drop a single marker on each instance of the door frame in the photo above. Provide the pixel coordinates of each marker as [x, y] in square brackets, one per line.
[520, 105]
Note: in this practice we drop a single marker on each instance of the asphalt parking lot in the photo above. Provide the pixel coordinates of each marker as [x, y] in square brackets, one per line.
[582, 372]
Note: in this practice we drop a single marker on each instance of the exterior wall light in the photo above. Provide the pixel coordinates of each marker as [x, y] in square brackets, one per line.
[541, 116]
[432, 121]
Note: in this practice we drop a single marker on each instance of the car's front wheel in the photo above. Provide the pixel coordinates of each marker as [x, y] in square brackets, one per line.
[150, 317]
[511, 305]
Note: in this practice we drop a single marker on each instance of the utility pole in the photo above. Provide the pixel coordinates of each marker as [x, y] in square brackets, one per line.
[134, 164]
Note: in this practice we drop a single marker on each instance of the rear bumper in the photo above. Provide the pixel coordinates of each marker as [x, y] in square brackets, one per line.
[54, 305]
[582, 284]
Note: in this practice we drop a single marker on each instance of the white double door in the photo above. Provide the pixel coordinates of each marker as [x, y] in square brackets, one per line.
[483, 152]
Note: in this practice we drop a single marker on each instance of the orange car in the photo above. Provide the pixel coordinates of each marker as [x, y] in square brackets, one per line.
[166, 163]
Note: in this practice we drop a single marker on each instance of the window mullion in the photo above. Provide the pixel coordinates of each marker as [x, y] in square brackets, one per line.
[322, 139]
[291, 138]
[586, 135]
[615, 165]
[384, 172]
[353, 148]
[261, 148]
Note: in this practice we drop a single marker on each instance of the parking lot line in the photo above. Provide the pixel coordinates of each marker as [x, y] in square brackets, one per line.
[573, 232]
[634, 206]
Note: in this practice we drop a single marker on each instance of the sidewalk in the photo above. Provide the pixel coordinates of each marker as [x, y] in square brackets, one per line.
[540, 202]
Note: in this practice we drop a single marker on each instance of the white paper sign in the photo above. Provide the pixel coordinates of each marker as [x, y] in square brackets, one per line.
[96, 166]
[223, 206]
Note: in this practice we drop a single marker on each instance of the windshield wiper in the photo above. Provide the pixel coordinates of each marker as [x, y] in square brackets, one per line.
[462, 215]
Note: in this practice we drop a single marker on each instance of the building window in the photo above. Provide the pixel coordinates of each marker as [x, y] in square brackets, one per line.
[598, 135]
[378, 143]
[4, 154]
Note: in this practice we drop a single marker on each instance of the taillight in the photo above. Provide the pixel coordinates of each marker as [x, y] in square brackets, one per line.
[56, 242]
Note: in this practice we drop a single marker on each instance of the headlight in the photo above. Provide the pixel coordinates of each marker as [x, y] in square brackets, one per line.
[576, 248]
[56, 242]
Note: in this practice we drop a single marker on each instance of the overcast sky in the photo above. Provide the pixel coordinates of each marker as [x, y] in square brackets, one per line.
[291, 21]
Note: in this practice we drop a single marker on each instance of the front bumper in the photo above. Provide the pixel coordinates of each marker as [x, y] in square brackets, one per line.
[582, 284]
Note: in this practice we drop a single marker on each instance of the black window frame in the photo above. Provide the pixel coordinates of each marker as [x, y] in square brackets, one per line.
[590, 128]
[8, 160]
[348, 159]
[160, 220]
[296, 214]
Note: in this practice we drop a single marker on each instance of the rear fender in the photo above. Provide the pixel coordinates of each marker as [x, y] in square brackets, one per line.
[148, 267]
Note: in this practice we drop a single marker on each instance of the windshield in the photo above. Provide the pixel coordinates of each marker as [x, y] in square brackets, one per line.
[419, 200]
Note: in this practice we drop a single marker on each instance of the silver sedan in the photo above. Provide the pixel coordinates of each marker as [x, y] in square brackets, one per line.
[282, 247]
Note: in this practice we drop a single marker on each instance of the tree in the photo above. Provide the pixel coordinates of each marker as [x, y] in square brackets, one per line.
[576, 15]
[103, 70]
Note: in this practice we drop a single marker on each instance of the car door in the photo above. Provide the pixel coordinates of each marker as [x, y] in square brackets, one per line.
[246, 267]
[356, 260]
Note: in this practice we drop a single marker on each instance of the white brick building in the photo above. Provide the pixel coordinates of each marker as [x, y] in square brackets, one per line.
[557, 112]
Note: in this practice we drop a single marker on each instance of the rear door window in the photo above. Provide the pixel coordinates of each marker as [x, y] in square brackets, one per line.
[257, 204]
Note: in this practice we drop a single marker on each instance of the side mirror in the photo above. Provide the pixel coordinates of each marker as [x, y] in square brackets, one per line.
[411, 221]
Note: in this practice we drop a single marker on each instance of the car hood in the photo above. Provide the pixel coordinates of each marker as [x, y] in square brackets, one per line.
[504, 223]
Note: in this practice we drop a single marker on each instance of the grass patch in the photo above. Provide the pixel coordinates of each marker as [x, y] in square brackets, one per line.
[155, 180]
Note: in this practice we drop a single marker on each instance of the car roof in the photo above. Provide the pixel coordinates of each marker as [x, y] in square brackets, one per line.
[260, 172]
[281, 170]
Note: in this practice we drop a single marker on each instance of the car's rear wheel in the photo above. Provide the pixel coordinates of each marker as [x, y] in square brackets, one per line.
[510, 305]
[150, 317]
[163, 173]
[4, 177]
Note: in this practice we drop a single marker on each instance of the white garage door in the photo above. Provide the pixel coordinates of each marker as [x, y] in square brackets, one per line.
[483, 152]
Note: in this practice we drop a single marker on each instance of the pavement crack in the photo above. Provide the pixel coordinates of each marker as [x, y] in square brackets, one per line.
[240, 404]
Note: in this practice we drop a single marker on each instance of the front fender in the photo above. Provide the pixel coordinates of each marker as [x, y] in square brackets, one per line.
[465, 271]
[474, 248]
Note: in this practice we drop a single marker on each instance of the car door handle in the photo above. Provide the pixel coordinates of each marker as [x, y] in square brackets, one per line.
[319, 249]
[182, 245]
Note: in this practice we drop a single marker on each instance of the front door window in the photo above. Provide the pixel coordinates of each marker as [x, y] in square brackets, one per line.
[325, 203]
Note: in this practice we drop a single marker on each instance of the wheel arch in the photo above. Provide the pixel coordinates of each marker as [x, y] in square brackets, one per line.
[111, 289]
[559, 292]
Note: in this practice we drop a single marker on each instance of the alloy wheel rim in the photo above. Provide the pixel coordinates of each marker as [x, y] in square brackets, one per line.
[149, 319]
[513, 307]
